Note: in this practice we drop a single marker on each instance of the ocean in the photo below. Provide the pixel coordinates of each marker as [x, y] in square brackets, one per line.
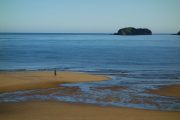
[136, 62]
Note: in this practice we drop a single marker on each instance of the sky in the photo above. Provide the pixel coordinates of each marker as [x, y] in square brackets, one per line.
[89, 16]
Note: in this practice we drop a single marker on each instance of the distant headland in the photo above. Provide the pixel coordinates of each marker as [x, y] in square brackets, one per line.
[178, 33]
[133, 31]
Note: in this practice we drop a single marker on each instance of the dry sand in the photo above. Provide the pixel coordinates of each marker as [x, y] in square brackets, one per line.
[12, 81]
[67, 111]
[171, 90]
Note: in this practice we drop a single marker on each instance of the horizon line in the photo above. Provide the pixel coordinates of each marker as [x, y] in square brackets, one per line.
[74, 33]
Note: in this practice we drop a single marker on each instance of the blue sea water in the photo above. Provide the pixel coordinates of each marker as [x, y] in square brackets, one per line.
[136, 62]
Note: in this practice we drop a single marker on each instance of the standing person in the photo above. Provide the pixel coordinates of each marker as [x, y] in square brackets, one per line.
[54, 72]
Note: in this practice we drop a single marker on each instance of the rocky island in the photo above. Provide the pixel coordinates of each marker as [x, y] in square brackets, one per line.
[178, 33]
[133, 31]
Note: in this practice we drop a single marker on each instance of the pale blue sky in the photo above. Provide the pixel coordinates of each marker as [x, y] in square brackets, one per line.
[161, 16]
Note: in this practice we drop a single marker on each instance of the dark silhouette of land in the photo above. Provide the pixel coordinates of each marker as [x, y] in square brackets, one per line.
[133, 31]
[178, 33]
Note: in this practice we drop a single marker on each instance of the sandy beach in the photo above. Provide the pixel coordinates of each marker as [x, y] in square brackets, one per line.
[52, 110]
[12, 81]
[67, 111]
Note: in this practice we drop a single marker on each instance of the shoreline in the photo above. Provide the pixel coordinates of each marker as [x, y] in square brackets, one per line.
[27, 80]
[53, 110]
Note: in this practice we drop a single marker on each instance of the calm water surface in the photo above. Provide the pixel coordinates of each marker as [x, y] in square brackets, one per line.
[135, 64]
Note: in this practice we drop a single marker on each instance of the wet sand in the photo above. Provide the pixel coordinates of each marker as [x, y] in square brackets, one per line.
[52, 110]
[12, 81]
[171, 90]
[68, 111]
[112, 88]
